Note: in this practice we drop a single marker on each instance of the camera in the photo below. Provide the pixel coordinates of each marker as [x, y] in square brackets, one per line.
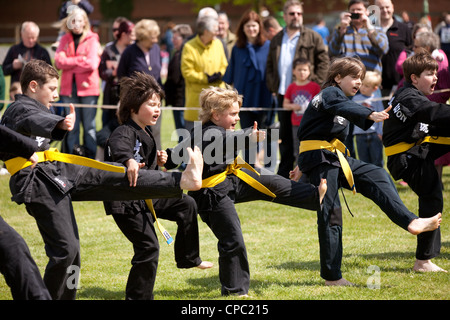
[355, 16]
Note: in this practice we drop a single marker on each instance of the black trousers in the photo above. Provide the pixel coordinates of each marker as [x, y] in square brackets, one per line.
[372, 182]
[423, 179]
[287, 158]
[55, 218]
[223, 219]
[18, 267]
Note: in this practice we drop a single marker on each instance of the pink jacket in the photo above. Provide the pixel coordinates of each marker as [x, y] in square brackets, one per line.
[83, 64]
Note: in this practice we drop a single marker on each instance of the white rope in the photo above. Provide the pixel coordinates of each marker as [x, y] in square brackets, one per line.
[77, 105]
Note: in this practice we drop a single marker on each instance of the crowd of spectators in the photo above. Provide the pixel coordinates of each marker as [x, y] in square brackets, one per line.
[255, 57]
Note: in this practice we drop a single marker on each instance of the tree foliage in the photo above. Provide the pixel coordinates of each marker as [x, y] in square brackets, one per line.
[112, 9]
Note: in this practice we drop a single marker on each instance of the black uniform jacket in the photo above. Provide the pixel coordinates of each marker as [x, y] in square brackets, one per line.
[130, 141]
[220, 147]
[13, 144]
[32, 119]
[327, 117]
[412, 117]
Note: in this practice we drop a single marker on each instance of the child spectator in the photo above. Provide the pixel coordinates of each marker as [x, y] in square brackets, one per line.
[369, 142]
[298, 95]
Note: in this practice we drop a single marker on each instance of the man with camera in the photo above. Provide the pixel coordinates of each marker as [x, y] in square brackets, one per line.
[357, 35]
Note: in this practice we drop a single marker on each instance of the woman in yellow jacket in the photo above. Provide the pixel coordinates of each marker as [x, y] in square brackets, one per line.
[203, 63]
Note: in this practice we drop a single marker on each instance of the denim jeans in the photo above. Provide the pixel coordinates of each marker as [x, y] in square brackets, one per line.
[370, 148]
[85, 116]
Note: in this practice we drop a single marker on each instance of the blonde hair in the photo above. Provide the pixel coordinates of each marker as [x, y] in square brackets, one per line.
[145, 29]
[372, 79]
[215, 99]
[73, 11]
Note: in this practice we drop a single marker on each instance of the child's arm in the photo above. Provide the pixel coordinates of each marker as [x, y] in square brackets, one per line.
[288, 105]
[379, 116]
[161, 157]
[69, 121]
[133, 171]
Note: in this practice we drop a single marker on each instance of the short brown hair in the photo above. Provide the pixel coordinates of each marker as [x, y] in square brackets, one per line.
[39, 71]
[418, 63]
[134, 91]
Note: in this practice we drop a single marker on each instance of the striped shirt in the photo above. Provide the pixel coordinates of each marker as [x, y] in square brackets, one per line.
[369, 47]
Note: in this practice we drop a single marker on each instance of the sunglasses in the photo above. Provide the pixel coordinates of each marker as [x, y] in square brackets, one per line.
[295, 13]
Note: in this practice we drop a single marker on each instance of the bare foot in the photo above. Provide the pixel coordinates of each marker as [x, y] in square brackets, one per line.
[341, 282]
[322, 189]
[420, 225]
[427, 266]
[191, 178]
[205, 265]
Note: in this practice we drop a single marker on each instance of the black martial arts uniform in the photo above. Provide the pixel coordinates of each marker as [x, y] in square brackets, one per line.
[216, 204]
[326, 118]
[49, 189]
[413, 117]
[130, 141]
[16, 264]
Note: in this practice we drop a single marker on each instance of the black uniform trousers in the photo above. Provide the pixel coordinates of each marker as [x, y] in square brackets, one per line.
[53, 212]
[372, 182]
[140, 231]
[287, 151]
[223, 219]
[423, 179]
[18, 267]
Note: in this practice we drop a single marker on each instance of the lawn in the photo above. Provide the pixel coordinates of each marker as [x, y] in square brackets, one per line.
[282, 248]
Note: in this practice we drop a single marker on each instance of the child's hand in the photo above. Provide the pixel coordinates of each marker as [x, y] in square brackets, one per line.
[34, 159]
[161, 157]
[256, 135]
[380, 116]
[133, 171]
[295, 174]
[69, 121]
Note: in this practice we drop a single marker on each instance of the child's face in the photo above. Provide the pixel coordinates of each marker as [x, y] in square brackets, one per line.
[46, 93]
[301, 72]
[350, 84]
[367, 90]
[426, 82]
[228, 118]
[148, 113]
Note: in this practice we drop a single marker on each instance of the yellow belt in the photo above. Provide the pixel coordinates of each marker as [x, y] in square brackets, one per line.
[337, 147]
[16, 164]
[404, 146]
[19, 163]
[163, 231]
[234, 168]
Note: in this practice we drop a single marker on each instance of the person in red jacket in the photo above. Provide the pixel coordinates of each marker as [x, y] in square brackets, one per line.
[78, 58]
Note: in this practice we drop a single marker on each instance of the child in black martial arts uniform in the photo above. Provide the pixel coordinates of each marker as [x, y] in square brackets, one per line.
[417, 133]
[229, 180]
[323, 155]
[132, 144]
[16, 263]
[58, 179]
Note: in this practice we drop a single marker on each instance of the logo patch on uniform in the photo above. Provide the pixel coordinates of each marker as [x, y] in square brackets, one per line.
[60, 182]
[136, 149]
[317, 101]
[40, 140]
[399, 114]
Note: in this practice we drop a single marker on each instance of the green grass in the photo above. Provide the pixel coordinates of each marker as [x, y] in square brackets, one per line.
[282, 248]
